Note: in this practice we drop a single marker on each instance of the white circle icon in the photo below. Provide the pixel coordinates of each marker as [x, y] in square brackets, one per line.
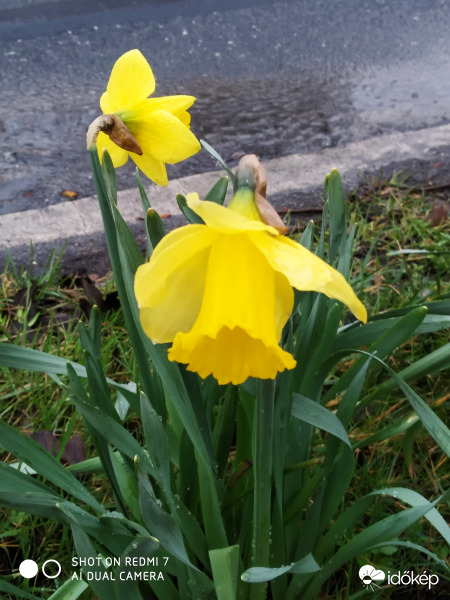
[51, 560]
[28, 568]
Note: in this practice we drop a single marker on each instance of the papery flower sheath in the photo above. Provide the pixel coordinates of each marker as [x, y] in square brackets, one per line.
[159, 126]
[221, 292]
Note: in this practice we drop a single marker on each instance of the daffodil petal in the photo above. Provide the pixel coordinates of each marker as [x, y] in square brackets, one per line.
[154, 169]
[306, 272]
[171, 259]
[172, 104]
[165, 137]
[131, 81]
[223, 219]
[284, 302]
[181, 305]
[107, 105]
[118, 156]
[175, 105]
[184, 117]
[233, 356]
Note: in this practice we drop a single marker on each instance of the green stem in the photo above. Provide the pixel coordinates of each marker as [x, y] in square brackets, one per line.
[262, 477]
[114, 255]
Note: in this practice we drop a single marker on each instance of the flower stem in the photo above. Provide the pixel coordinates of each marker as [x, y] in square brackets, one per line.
[262, 477]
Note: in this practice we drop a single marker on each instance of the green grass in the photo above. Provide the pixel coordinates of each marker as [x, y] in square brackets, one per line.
[42, 311]
[403, 252]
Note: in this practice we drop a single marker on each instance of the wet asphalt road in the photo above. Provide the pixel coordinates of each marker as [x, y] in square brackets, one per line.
[271, 78]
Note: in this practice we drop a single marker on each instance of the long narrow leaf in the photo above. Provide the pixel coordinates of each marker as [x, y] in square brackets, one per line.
[70, 590]
[210, 503]
[190, 215]
[432, 423]
[225, 564]
[366, 334]
[109, 211]
[113, 534]
[160, 523]
[43, 462]
[155, 229]
[411, 545]
[317, 415]
[431, 363]
[103, 588]
[334, 195]
[19, 357]
[217, 156]
[115, 433]
[80, 397]
[157, 445]
[28, 359]
[307, 564]
[399, 333]
[15, 592]
[415, 499]
[219, 191]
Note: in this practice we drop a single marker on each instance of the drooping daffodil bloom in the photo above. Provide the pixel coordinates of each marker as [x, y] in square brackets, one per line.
[157, 127]
[221, 291]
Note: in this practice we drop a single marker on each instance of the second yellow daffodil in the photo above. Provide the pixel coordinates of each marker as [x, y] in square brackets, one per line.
[160, 126]
[221, 292]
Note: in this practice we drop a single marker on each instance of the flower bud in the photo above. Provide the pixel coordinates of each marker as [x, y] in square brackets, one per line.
[252, 176]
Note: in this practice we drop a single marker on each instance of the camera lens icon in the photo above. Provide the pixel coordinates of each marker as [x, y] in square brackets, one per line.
[29, 568]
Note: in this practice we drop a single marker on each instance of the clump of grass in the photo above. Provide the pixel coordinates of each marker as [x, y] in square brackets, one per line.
[402, 246]
[396, 222]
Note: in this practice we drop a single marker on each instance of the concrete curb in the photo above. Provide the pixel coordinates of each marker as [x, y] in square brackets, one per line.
[83, 217]
[291, 180]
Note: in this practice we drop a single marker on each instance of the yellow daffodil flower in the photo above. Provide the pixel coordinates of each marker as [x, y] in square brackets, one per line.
[160, 126]
[222, 291]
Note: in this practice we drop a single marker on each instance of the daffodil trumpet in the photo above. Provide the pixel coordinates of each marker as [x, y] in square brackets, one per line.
[222, 291]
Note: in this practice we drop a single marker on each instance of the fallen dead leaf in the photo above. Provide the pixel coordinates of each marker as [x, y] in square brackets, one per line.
[47, 440]
[75, 451]
[70, 194]
[438, 215]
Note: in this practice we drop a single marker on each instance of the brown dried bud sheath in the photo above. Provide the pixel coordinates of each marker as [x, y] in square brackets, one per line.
[117, 132]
